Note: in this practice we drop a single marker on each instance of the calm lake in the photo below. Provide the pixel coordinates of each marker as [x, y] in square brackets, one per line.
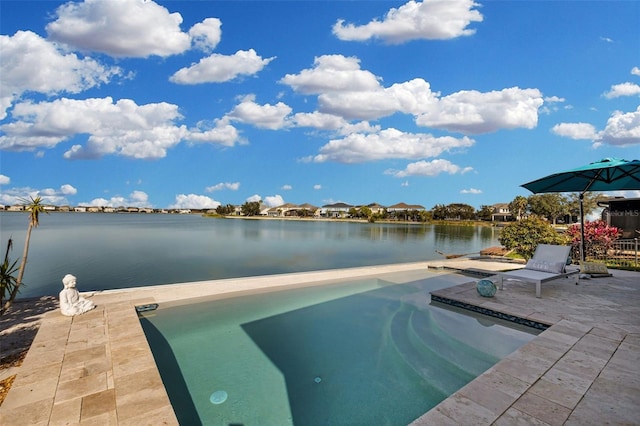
[109, 251]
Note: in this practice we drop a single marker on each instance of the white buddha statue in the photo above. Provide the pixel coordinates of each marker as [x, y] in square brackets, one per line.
[71, 303]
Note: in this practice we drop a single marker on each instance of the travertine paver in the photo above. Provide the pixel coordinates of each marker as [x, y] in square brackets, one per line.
[580, 371]
[98, 369]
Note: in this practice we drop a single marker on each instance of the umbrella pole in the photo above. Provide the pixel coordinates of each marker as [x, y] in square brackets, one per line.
[582, 254]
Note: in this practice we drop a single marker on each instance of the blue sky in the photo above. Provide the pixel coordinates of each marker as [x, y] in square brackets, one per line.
[193, 104]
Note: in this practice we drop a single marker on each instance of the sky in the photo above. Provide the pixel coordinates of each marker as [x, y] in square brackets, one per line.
[193, 104]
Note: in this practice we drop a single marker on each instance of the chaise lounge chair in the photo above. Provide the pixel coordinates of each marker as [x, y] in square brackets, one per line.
[548, 263]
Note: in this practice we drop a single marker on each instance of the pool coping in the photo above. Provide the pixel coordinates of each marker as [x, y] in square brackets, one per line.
[98, 367]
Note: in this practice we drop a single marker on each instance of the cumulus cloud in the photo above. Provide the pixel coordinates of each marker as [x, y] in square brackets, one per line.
[575, 130]
[222, 133]
[317, 187]
[47, 69]
[622, 129]
[286, 187]
[330, 122]
[411, 97]
[429, 168]
[4, 180]
[121, 28]
[254, 198]
[194, 201]
[12, 196]
[473, 112]
[471, 191]
[220, 68]
[623, 89]
[266, 116]
[635, 71]
[233, 186]
[273, 200]
[206, 35]
[387, 144]
[122, 127]
[332, 73]
[425, 20]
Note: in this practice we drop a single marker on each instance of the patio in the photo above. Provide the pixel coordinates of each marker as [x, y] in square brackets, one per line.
[97, 368]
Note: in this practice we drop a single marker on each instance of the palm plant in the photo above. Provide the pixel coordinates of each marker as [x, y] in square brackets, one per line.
[34, 206]
[7, 276]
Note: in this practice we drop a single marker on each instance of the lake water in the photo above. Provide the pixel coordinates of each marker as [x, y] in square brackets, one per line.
[109, 251]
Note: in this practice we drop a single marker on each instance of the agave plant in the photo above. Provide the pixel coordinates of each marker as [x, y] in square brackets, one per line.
[8, 279]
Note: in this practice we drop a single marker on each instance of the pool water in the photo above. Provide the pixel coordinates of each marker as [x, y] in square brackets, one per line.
[362, 352]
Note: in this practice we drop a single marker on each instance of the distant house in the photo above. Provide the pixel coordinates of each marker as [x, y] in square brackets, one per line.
[50, 208]
[501, 213]
[376, 208]
[109, 210]
[336, 210]
[16, 208]
[80, 209]
[94, 209]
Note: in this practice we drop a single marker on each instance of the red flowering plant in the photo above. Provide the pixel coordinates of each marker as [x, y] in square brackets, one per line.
[598, 238]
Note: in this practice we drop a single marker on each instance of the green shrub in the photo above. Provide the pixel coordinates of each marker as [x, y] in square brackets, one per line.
[525, 235]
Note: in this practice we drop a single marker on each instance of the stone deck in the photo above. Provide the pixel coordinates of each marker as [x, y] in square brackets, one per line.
[98, 369]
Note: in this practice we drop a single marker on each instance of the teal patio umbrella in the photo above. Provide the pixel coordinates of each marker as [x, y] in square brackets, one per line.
[609, 174]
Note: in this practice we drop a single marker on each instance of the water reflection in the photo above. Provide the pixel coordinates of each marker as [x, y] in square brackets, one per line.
[122, 250]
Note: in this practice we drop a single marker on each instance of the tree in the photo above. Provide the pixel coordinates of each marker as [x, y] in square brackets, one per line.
[589, 204]
[485, 213]
[550, 205]
[225, 210]
[34, 206]
[518, 206]
[461, 211]
[251, 208]
[525, 235]
[439, 212]
[7, 276]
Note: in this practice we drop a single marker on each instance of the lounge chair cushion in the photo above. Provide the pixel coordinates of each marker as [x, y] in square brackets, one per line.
[545, 266]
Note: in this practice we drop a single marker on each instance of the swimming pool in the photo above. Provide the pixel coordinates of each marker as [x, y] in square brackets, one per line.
[361, 352]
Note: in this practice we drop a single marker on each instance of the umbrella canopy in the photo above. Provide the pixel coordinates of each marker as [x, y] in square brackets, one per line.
[609, 174]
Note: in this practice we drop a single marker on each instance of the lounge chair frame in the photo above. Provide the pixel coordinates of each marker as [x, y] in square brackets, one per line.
[544, 252]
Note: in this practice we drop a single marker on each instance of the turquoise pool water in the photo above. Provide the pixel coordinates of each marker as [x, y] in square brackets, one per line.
[362, 352]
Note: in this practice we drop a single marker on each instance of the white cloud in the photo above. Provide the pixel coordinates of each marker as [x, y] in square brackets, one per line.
[122, 128]
[266, 116]
[4, 180]
[429, 168]
[135, 199]
[635, 71]
[58, 196]
[46, 69]
[471, 191]
[388, 144]
[622, 129]
[67, 189]
[206, 35]
[575, 130]
[219, 68]
[474, 112]
[332, 73]
[330, 122]
[254, 198]
[623, 89]
[121, 28]
[221, 133]
[426, 20]
[273, 201]
[317, 187]
[194, 201]
[405, 183]
[411, 97]
[286, 187]
[233, 186]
